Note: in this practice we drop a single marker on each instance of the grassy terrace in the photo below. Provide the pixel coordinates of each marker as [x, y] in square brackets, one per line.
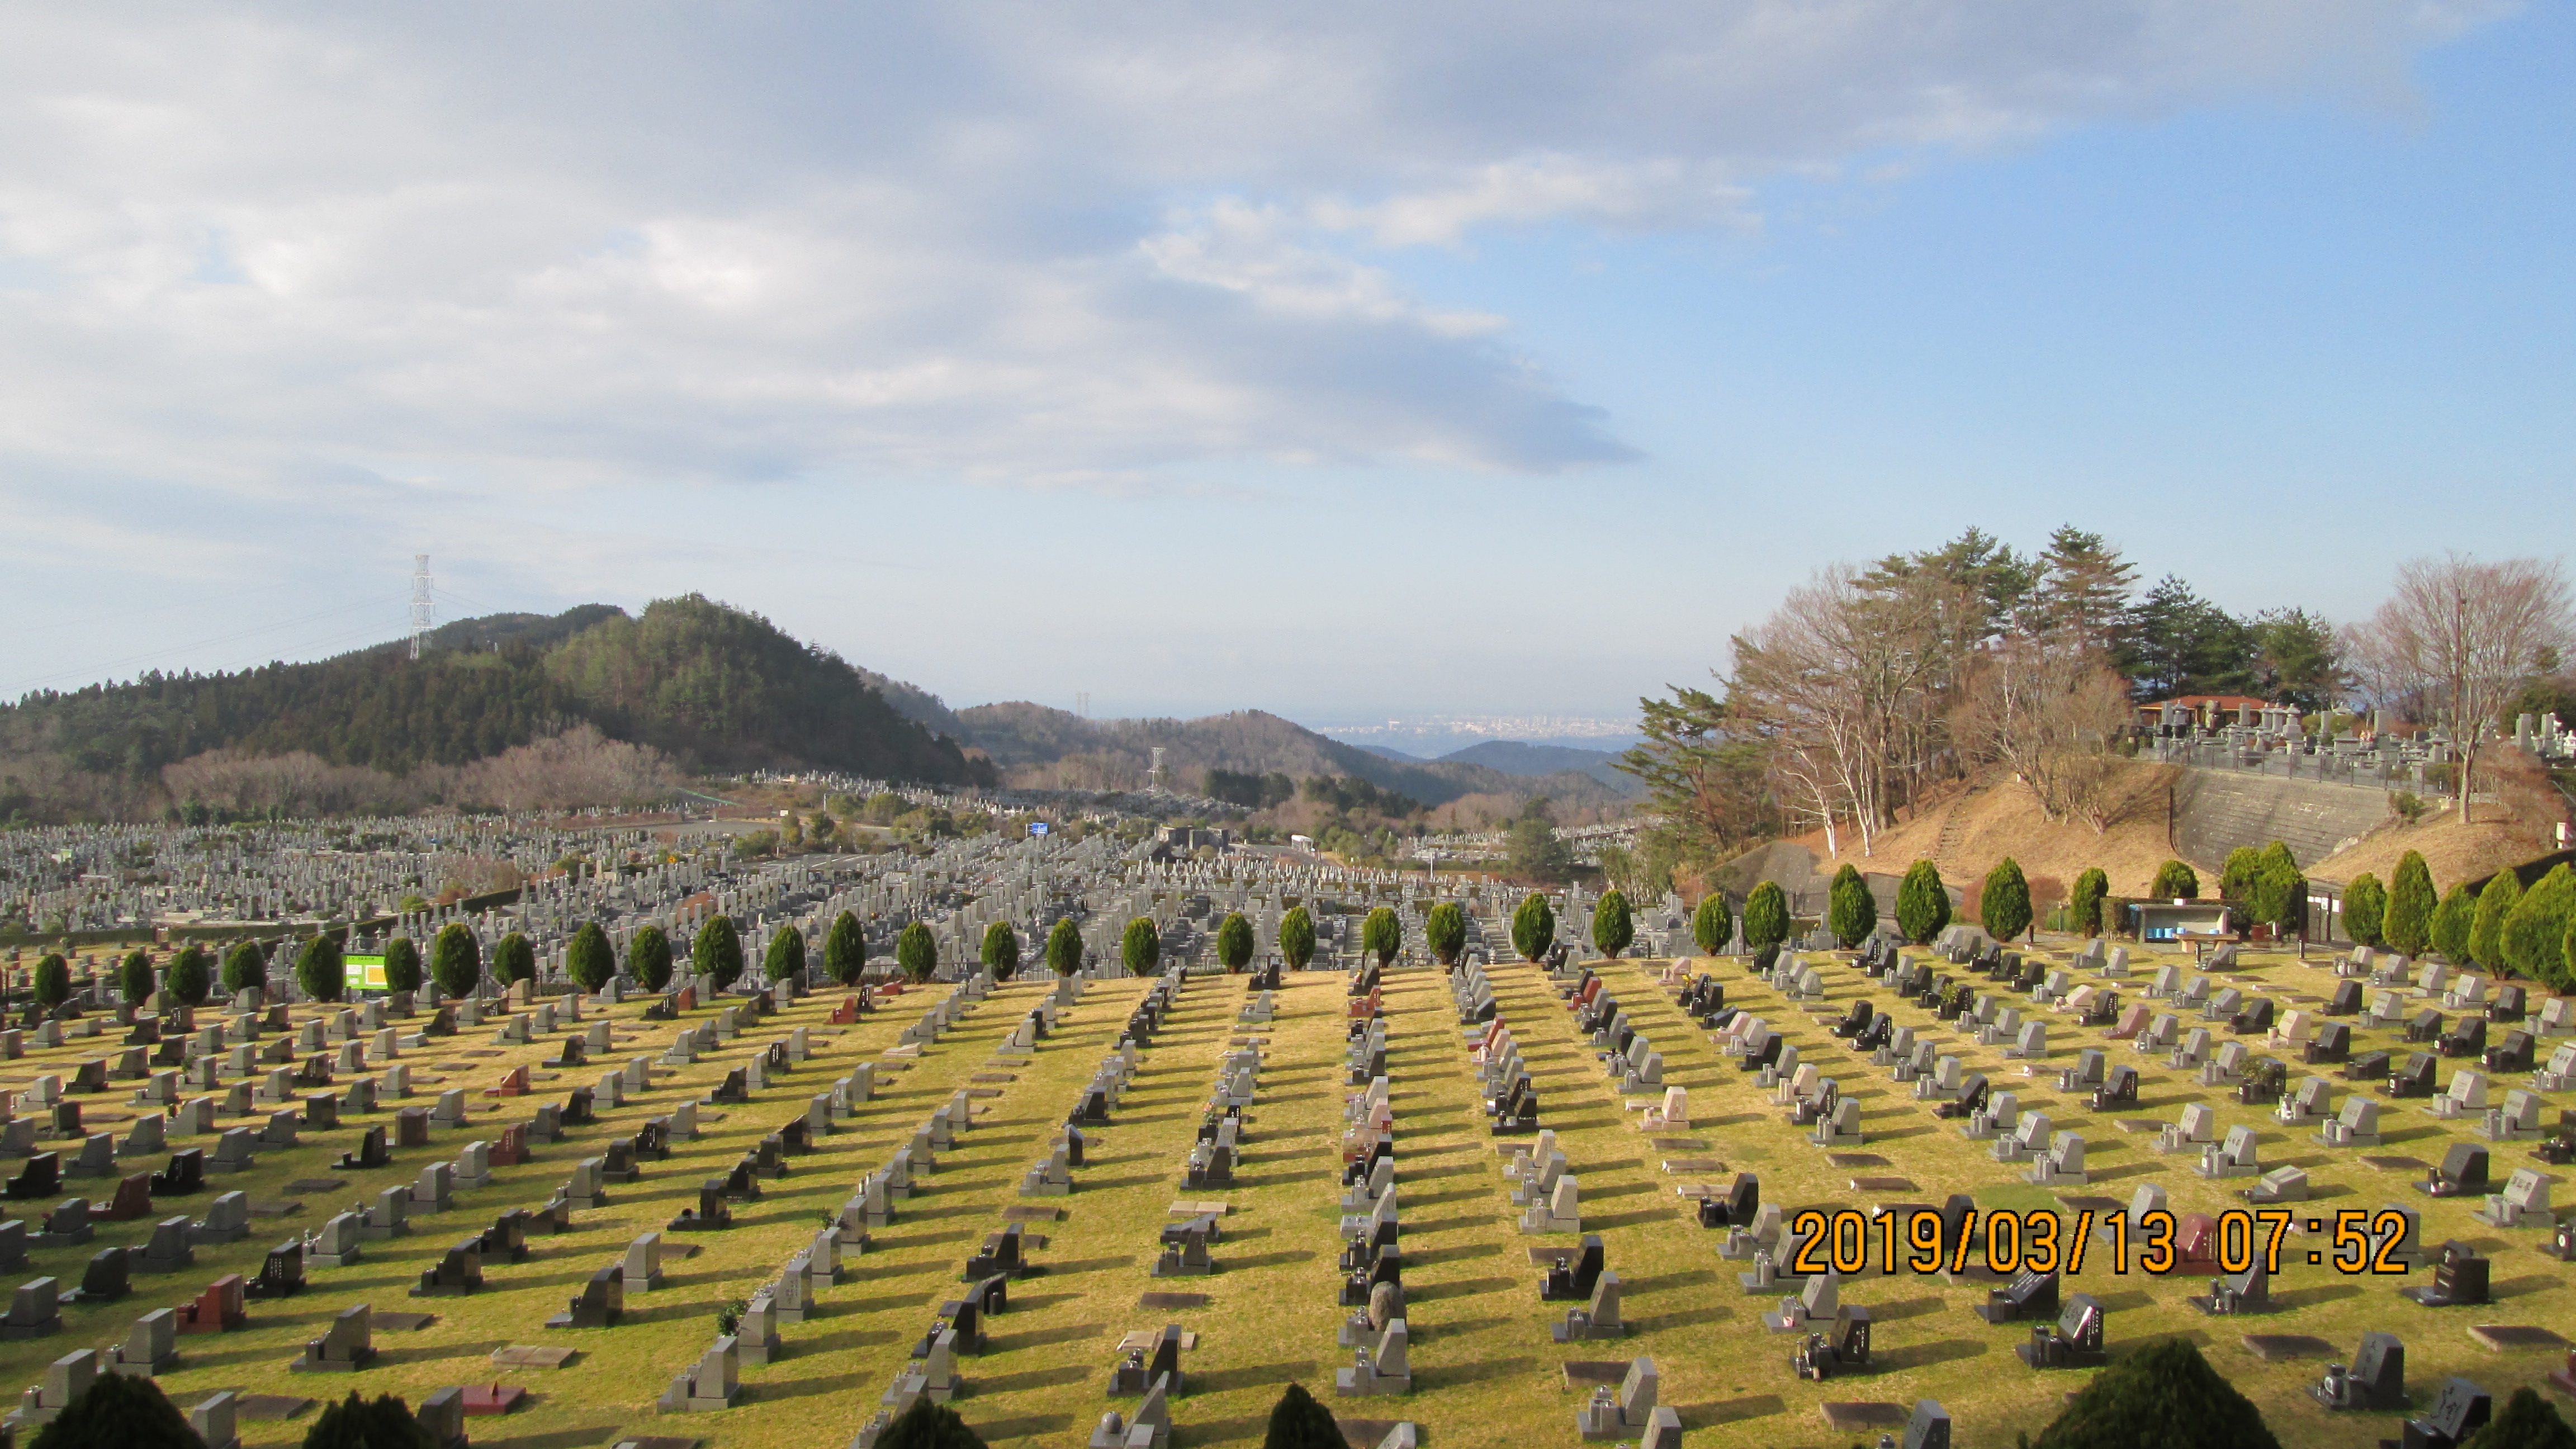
[1486, 1370]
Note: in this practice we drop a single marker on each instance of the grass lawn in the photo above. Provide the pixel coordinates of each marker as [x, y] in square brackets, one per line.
[1485, 1368]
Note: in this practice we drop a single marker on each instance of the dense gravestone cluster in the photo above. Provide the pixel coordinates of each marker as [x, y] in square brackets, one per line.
[2027, 1075]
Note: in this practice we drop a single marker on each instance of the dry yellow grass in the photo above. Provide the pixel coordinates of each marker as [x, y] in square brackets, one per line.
[2002, 818]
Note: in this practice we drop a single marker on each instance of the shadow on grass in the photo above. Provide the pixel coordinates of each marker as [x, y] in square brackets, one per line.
[1457, 1288]
[1480, 1371]
[1727, 1411]
[1925, 1355]
[553, 1439]
[1249, 1376]
[1029, 1426]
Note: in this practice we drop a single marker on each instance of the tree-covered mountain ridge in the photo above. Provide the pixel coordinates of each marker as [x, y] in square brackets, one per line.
[713, 686]
[1037, 745]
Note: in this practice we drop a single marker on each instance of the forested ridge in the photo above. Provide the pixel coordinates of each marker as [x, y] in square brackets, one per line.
[715, 687]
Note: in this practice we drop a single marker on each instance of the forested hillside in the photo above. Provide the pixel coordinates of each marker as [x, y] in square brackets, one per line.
[1040, 746]
[712, 686]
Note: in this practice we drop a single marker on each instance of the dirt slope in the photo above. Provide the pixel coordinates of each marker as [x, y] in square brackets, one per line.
[1968, 833]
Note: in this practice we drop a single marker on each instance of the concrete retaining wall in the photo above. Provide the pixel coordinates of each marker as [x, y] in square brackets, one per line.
[2215, 811]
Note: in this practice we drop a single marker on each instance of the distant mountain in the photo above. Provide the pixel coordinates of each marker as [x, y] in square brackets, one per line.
[1033, 740]
[916, 704]
[713, 686]
[1514, 758]
[1399, 756]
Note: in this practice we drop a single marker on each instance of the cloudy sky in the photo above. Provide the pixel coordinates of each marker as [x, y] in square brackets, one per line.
[1343, 360]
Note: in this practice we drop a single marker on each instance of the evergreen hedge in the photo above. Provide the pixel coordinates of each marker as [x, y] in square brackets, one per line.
[1614, 926]
[1297, 938]
[1445, 932]
[2003, 908]
[1713, 924]
[1766, 916]
[1922, 903]
[2408, 923]
[916, 952]
[1850, 909]
[1533, 926]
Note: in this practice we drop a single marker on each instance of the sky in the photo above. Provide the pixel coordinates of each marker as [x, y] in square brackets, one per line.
[1355, 362]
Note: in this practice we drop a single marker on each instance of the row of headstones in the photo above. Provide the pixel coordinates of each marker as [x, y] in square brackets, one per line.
[1184, 1246]
[1377, 1330]
[1538, 1180]
[33, 1307]
[713, 1382]
[931, 1370]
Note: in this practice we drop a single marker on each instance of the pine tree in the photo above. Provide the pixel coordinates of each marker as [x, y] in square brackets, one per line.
[1445, 932]
[119, 1411]
[2085, 902]
[1297, 938]
[845, 949]
[648, 958]
[514, 959]
[1613, 925]
[1766, 916]
[928, 1425]
[187, 980]
[2365, 906]
[1141, 947]
[1234, 941]
[1382, 935]
[1298, 1422]
[916, 952]
[2408, 923]
[2003, 908]
[321, 970]
[1713, 924]
[2175, 881]
[1533, 926]
[2453, 921]
[2084, 589]
[2162, 1395]
[1001, 950]
[717, 951]
[245, 966]
[1850, 909]
[2486, 930]
[1064, 948]
[402, 964]
[785, 958]
[456, 960]
[134, 979]
[590, 961]
[53, 980]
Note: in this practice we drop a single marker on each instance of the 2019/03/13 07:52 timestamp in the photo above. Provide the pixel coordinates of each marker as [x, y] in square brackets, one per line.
[2044, 1240]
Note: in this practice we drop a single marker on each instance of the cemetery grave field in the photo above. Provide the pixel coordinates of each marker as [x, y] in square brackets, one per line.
[1486, 1370]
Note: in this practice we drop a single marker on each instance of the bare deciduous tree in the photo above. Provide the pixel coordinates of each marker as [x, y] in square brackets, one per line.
[1844, 685]
[2047, 708]
[2465, 634]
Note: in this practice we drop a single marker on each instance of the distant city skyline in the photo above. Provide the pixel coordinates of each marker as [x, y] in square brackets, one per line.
[1341, 361]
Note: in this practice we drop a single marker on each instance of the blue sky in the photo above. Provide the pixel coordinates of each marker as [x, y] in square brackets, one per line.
[1340, 361]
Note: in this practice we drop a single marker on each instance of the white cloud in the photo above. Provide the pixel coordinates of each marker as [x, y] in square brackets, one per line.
[571, 245]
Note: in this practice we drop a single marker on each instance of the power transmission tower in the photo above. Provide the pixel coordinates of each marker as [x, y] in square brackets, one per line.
[419, 602]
